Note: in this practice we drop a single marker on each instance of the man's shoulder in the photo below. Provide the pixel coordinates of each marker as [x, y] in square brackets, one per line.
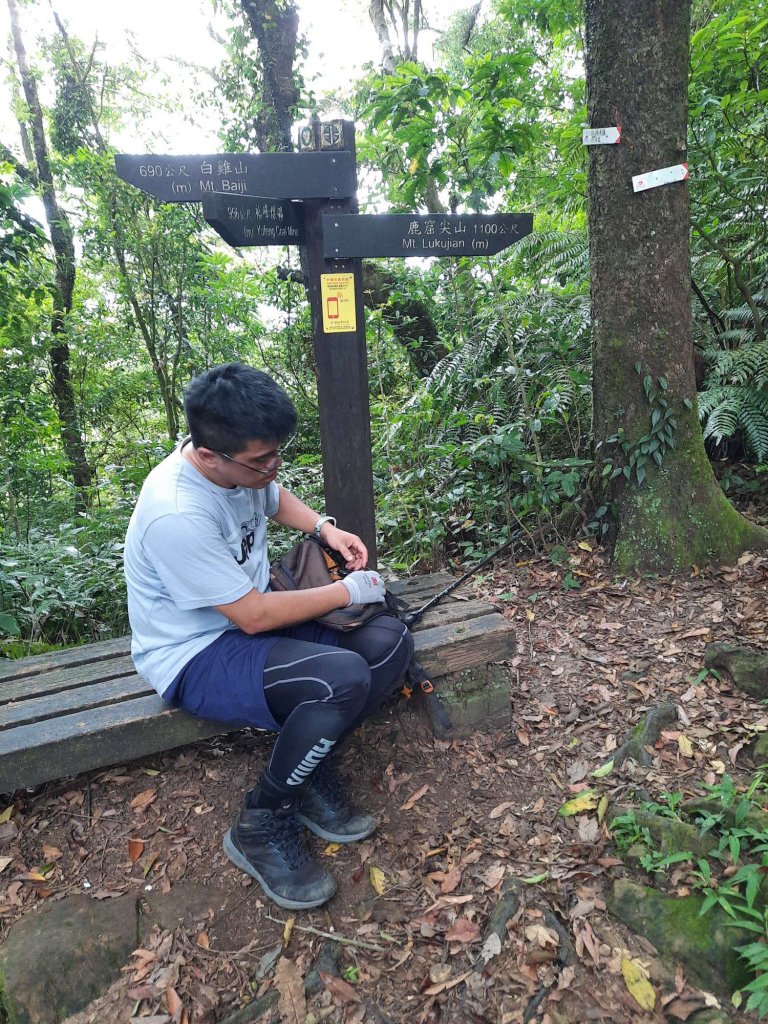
[170, 489]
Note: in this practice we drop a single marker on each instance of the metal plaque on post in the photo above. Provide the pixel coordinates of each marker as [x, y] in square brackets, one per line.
[186, 179]
[248, 220]
[406, 234]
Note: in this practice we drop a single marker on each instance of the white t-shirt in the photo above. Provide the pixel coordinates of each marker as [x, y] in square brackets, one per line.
[190, 545]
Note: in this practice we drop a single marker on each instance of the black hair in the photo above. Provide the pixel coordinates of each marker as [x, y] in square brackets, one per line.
[232, 404]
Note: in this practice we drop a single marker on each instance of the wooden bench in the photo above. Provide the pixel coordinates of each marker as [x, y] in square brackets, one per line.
[86, 707]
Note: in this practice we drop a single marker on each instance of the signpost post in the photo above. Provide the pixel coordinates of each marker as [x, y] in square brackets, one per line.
[309, 199]
[335, 290]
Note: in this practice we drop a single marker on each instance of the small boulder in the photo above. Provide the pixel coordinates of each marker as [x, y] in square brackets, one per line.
[61, 957]
[703, 945]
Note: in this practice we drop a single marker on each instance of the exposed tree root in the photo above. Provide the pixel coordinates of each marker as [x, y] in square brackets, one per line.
[645, 734]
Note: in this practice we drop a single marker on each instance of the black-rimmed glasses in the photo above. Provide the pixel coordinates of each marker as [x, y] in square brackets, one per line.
[272, 459]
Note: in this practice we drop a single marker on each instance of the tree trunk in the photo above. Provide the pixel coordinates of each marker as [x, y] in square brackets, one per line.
[379, 22]
[64, 277]
[275, 26]
[408, 318]
[669, 511]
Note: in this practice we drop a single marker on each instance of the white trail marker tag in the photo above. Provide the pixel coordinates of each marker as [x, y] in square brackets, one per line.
[601, 136]
[665, 175]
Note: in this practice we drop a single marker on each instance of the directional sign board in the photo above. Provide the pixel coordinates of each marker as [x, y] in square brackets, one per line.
[186, 179]
[246, 220]
[406, 234]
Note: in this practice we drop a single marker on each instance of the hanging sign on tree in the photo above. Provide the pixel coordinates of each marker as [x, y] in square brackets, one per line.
[601, 136]
[665, 175]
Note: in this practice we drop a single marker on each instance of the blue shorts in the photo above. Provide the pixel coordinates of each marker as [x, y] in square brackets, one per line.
[225, 681]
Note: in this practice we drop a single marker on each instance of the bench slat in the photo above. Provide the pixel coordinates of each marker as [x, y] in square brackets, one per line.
[108, 735]
[453, 611]
[36, 663]
[456, 646]
[56, 679]
[419, 589]
[83, 698]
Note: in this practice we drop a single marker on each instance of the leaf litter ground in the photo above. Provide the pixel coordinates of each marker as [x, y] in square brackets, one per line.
[458, 822]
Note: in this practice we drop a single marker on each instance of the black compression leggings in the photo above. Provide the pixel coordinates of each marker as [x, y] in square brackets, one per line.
[320, 694]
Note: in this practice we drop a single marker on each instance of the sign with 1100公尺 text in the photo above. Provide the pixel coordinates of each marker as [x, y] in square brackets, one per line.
[407, 234]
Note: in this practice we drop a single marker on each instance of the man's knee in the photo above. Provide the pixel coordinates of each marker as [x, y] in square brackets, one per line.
[351, 682]
[379, 640]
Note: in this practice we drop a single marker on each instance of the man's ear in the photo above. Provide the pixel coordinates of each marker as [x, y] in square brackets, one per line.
[207, 456]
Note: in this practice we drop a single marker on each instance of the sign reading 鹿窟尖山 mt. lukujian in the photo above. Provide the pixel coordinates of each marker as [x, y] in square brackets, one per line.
[406, 234]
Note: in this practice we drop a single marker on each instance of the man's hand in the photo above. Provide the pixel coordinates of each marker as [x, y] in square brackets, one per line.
[349, 546]
[365, 587]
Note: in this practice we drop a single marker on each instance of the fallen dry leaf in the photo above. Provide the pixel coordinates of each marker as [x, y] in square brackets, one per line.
[341, 990]
[587, 800]
[416, 796]
[491, 948]
[135, 849]
[541, 936]
[463, 930]
[434, 990]
[499, 809]
[292, 1002]
[451, 880]
[685, 746]
[378, 880]
[438, 973]
[493, 876]
[637, 982]
[173, 1002]
[143, 800]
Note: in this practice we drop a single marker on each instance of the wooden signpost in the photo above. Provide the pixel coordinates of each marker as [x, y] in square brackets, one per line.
[308, 199]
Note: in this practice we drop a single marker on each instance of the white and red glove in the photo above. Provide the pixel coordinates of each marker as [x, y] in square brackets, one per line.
[365, 587]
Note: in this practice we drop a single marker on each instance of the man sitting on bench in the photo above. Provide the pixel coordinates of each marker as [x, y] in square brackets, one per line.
[212, 638]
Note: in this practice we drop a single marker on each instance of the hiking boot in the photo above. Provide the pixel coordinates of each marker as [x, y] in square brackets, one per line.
[325, 811]
[269, 846]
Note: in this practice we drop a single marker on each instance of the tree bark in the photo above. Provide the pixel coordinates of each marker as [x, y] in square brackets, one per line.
[379, 22]
[64, 276]
[669, 511]
[408, 318]
[275, 26]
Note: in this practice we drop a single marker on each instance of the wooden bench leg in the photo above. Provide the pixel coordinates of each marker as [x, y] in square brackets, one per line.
[475, 699]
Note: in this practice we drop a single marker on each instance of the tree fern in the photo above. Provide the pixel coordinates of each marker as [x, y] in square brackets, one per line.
[730, 412]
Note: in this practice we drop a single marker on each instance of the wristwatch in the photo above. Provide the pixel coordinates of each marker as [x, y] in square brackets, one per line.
[321, 523]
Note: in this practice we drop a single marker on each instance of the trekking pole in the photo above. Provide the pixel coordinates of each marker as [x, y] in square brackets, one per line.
[411, 618]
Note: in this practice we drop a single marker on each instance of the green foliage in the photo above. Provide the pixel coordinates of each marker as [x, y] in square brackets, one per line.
[735, 820]
[728, 156]
[453, 461]
[651, 447]
[61, 587]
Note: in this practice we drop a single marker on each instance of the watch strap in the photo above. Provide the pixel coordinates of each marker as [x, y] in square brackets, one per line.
[321, 523]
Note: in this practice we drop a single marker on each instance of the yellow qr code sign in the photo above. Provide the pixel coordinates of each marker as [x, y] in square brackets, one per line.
[338, 296]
